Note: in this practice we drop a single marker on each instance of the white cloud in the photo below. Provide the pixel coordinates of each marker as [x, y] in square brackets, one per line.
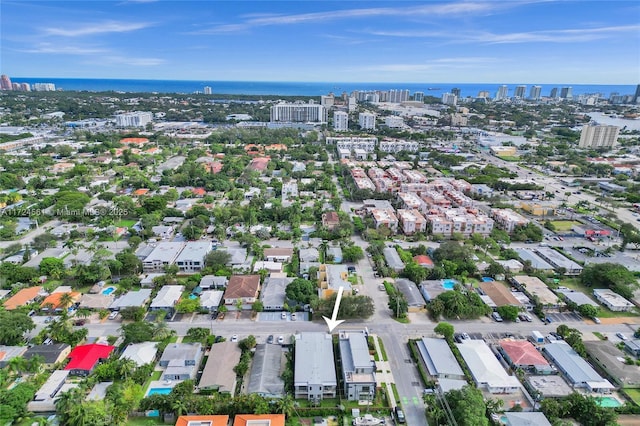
[64, 50]
[132, 61]
[97, 28]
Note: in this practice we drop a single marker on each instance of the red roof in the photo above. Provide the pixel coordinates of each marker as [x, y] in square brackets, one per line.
[522, 352]
[85, 357]
[422, 259]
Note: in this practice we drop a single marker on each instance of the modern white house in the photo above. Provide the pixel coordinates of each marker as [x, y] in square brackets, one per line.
[314, 372]
[485, 368]
[358, 367]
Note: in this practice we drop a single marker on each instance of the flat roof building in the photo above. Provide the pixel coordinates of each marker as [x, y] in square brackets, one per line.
[132, 299]
[164, 254]
[485, 368]
[548, 386]
[609, 358]
[577, 297]
[358, 367]
[536, 261]
[141, 353]
[167, 298]
[558, 261]
[266, 371]
[577, 371]
[612, 300]
[535, 287]
[438, 359]
[192, 257]
[218, 372]
[411, 293]
[314, 373]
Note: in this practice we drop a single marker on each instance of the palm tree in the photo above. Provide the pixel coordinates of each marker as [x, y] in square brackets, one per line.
[179, 407]
[66, 300]
[286, 405]
[238, 305]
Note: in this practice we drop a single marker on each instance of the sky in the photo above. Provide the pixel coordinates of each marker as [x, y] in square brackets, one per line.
[576, 42]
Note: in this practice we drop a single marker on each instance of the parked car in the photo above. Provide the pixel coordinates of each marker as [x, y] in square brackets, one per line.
[234, 338]
[399, 415]
[80, 322]
[281, 340]
[496, 316]
[270, 338]
[465, 336]
[113, 315]
[294, 316]
[622, 336]
[596, 320]
[283, 315]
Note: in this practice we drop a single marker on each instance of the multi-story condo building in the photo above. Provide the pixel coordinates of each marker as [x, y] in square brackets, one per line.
[361, 180]
[327, 100]
[458, 198]
[439, 225]
[192, 257]
[507, 219]
[503, 92]
[207, 90]
[459, 120]
[367, 120]
[554, 93]
[358, 369]
[418, 96]
[298, 113]
[340, 121]
[393, 121]
[414, 176]
[520, 92]
[44, 87]
[449, 99]
[134, 119]
[436, 199]
[5, 82]
[376, 172]
[456, 91]
[366, 144]
[391, 145]
[598, 136]
[412, 221]
[411, 201]
[397, 96]
[314, 372]
[331, 278]
[566, 93]
[535, 93]
[384, 217]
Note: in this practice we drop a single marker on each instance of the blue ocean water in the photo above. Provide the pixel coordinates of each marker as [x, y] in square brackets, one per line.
[300, 88]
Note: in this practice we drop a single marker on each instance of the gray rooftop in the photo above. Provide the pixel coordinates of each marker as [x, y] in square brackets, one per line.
[410, 291]
[558, 260]
[218, 372]
[266, 369]
[578, 297]
[181, 352]
[131, 298]
[194, 250]
[49, 389]
[167, 296]
[209, 281]
[536, 261]
[611, 359]
[141, 353]
[211, 298]
[393, 258]
[164, 252]
[272, 293]
[355, 352]
[309, 255]
[438, 357]
[99, 391]
[534, 418]
[575, 367]
[314, 360]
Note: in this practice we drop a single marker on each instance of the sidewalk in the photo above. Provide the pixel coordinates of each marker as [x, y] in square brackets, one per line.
[383, 372]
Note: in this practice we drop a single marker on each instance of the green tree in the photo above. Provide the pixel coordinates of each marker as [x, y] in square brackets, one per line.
[217, 259]
[508, 312]
[257, 306]
[187, 305]
[609, 275]
[445, 329]
[301, 291]
[13, 326]
[352, 254]
[134, 313]
[588, 311]
[52, 267]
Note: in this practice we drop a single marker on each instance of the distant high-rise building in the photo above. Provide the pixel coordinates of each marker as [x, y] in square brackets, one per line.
[456, 91]
[449, 99]
[298, 113]
[5, 82]
[418, 96]
[520, 92]
[397, 96]
[15, 86]
[554, 93]
[352, 104]
[598, 136]
[483, 94]
[44, 87]
[340, 121]
[327, 101]
[25, 87]
[134, 119]
[636, 96]
[367, 120]
[207, 90]
[566, 93]
[503, 92]
[535, 93]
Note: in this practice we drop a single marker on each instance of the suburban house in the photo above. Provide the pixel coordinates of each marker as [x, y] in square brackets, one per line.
[23, 297]
[331, 278]
[211, 420]
[242, 287]
[265, 377]
[167, 298]
[164, 232]
[132, 299]
[213, 281]
[50, 354]
[278, 254]
[45, 398]
[211, 299]
[439, 360]
[314, 372]
[53, 302]
[164, 254]
[522, 354]
[358, 367]
[192, 257]
[330, 220]
[612, 300]
[575, 369]
[141, 353]
[218, 372]
[485, 368]
[273, 291]
[84, 358]
[7, 353]
[181, 361]
[258, 420]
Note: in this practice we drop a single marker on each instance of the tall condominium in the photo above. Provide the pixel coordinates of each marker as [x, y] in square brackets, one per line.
[5, 82]
[566, 93]
[554, 93]
[397, 96]
[44, 87]
[535, 92]
[207, 90]
[636, 96]
[598, 136]
[134, 119]
[456, 91]
[327, 101]
[418, 96]
[340, 121]
[298, 113]
[449, 99]
[520, 92]
[367, 120]
[503, 92]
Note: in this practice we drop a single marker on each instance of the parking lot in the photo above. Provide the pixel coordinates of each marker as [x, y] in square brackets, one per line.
[564, 317]
[277, 316]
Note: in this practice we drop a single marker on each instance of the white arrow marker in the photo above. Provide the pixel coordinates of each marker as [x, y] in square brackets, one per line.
[333, 323]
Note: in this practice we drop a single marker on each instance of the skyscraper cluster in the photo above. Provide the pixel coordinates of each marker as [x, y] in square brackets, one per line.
[7, 84]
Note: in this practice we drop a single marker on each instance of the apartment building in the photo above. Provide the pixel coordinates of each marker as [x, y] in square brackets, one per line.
[358, 368]
[385, 217]
[415, 176]
[340, 121]
[367, 120]
[192, 257]
[298, 113]
[134, 119]
[314, 371]
[598, 136]
[411, 201]
[331, 278]
[507, 219]
[411, 221]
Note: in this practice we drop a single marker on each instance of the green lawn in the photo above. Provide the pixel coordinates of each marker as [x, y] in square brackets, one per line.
[126, 223]
[384, 353]
[575, 284]
[634, 394]
[564, 225]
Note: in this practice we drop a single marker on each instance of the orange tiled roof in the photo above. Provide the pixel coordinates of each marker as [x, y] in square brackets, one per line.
[54, 299]
[22, 297]
[247, 419]
[140, 191]
[136, 141]
[217, 420]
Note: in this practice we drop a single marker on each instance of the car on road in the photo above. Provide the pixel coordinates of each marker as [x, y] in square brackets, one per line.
[596, 320]
[281, 340]
[496, 316]
[398, 414]
[113, 315]
[294, 316]
[381, 287]
[270, 338]
[621, 336]
[234, 338]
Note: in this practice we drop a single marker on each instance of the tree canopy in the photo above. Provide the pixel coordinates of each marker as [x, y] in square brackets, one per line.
[609, 275]
[301, 290]
[13, 326]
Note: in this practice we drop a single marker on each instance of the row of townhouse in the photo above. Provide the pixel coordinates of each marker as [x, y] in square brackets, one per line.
[189, 256]
[347, 146]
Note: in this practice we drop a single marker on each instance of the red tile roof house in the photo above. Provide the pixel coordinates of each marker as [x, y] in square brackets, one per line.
[243, 287]
[423, 260]
[84, 358]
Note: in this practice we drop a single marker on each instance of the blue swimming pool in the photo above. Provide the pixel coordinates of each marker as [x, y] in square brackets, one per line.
[193, 296]
[608, 401]
[448, 284]
[159, 391]
[107, 291]
[487, 279]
